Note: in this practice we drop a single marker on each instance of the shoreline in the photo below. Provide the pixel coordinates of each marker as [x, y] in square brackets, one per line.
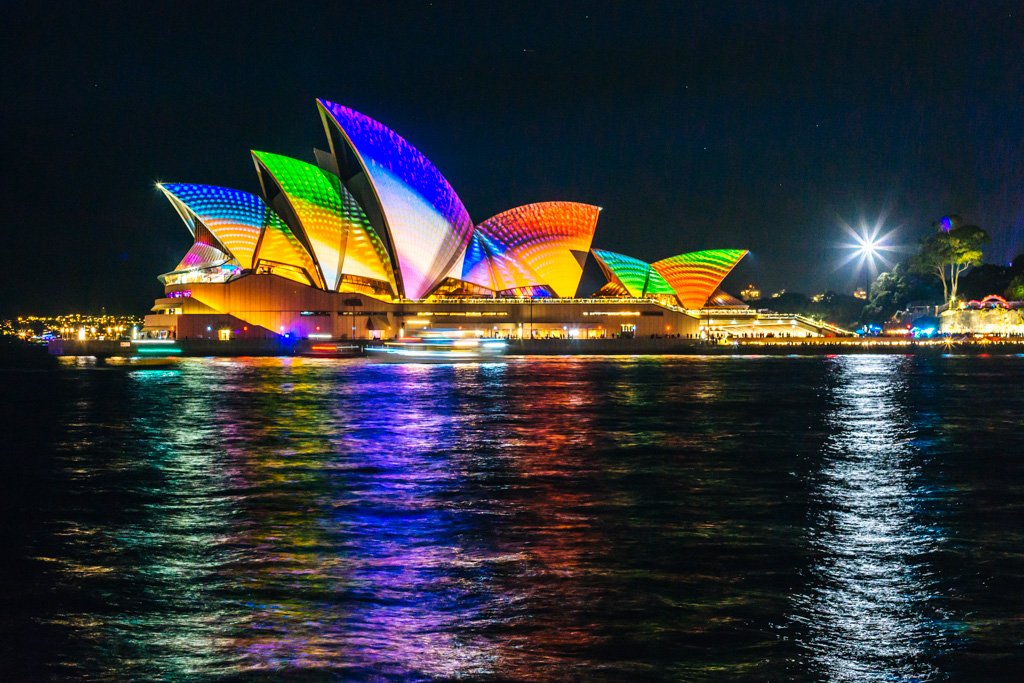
[545, 347]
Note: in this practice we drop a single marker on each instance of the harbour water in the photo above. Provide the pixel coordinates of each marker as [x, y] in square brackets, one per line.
[838, 518]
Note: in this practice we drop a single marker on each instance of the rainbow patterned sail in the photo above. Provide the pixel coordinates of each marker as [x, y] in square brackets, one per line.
[542, 244]
[236, 228]
[427, 226]
[692, 278]
[235, 218]
[696, 275]
[281, 253]
[335, 228]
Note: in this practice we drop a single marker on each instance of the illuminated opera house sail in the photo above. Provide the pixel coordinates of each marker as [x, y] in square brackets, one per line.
[368, 239]
[690, 278]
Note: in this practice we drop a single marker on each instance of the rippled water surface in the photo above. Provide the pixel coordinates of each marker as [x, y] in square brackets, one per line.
[836, 519]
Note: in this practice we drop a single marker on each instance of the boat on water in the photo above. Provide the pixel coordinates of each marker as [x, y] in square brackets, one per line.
[439, 346]
[333, 350]
[142, 362]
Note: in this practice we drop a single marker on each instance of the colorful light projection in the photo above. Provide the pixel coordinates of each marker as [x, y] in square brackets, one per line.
[427, 225]
[538, 244]
[507, 273]
[531, 292]
[233, 217]
[475, 266]
[692, 278]
[282, 253]
[366, 255]
[237, 227]
[327, 214]
[696, 275]
[201, 256]
[632, 276]
[378, 211]
[656, 285]
[628, 274]
[612, 289]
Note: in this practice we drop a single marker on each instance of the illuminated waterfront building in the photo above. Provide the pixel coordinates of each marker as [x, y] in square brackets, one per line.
[992, 315]
[371, 241]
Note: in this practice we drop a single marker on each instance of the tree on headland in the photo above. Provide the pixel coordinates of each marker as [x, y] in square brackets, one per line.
[949, 251]
[889, 292]
[990, 278]
[893, 290]
[1015, 292]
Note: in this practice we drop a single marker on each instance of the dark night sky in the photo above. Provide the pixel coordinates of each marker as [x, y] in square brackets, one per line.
[694, 126]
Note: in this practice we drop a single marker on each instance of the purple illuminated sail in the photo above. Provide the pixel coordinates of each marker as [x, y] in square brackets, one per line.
[426, 223]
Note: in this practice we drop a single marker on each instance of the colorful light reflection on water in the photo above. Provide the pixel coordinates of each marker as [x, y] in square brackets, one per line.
[548, 519]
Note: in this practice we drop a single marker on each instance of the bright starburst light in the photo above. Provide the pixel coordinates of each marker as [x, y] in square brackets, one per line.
[870, 245]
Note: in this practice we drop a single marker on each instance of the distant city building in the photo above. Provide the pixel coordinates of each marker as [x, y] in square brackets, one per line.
[818, 298]
[371, 241]
[750, 293]
[778, 294]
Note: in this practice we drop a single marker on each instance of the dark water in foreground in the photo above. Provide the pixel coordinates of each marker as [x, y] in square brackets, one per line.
[841, 519]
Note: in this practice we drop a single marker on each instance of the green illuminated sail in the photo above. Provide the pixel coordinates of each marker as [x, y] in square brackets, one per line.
[334, 227]
[628, 272]
[635, 276]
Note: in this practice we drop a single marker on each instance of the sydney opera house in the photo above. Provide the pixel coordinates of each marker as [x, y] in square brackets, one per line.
[371, 241]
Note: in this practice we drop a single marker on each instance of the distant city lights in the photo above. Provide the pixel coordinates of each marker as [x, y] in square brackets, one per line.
[750, 293]
[81, 326]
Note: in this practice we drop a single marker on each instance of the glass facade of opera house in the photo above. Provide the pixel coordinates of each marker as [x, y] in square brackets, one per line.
[371, 241]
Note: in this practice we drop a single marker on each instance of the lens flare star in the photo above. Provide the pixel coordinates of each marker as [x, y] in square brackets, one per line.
[870, 245]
